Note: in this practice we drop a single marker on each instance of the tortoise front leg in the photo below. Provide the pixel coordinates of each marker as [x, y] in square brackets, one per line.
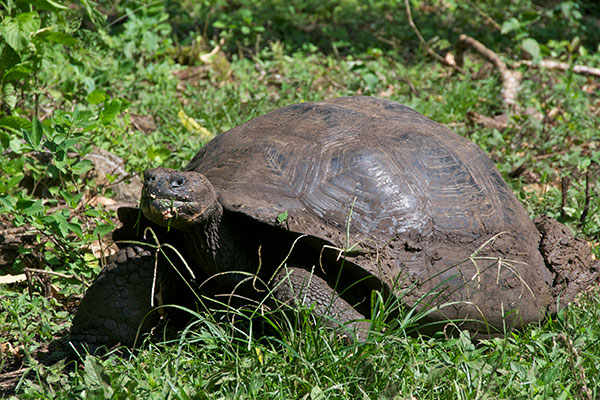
[116, 304]
[295, 286]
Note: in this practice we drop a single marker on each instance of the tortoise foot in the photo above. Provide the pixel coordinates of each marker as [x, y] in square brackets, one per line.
[297, 286]
[116, 307]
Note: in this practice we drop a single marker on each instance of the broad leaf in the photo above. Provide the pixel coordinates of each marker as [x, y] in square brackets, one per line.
[57, 37]
[9, 95]
[102, 230]
[96, 97]
[15, 123]
[17, 31]
[34, 136]
[533, 48]
[511, 24]
[18, 72]
[111, 110]
[30, 207]
[8, 57]
[82, 167]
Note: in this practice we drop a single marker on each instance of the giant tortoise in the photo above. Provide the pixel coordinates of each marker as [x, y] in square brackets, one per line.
[325, 202]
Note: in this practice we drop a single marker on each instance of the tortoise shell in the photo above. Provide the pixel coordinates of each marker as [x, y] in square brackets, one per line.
[423, 210]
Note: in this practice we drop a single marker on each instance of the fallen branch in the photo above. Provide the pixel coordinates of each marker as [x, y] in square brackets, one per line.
[565, 181]
[429, 50]
[511, 80]
[489, 20]
[551, 64]
[586, 204]
[499, 122]
[67, 276]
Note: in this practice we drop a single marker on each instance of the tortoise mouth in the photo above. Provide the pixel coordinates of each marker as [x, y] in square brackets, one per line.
[160, 209]
[166, 210]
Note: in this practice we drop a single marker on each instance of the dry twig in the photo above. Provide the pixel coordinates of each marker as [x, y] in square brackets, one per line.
[67, 276]
[511, 80]
[429, 50]
[586, 205]
[551, 64]
[565, 181]
[489, 20]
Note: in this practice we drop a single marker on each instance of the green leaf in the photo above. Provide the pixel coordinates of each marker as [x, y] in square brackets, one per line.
[511, 24]
[17, 31]
[34, 136]
[13, 181]
[102, 230]
[316, 393]
[9, 95]
[72, 199]
[281, 218]
[528, 17]
[158, 154]
[371, 81]
[96, 97]
[95, 376]
[18, 72]
[16, 144]
[30, 207]
[82, 167]
[111, 110]
[8, 58]
[15, 123]
[76, 229]
[7, 202]
[532, 47]
[57, 37]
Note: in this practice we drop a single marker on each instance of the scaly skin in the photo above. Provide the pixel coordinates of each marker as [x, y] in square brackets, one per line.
[115, 306]
[297, 286]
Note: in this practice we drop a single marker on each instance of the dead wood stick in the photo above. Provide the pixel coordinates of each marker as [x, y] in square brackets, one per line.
[429, 50]
[565, 181]
[67, 276]
[552, 64]
[511, 80]
[586, 204]
[489, 20]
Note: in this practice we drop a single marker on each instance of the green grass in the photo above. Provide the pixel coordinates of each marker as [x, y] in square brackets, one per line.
[552, 360]
[557, 358]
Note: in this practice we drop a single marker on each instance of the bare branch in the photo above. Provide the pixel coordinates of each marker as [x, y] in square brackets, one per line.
[511, 80]
[66, 276]
[424, 43]
[551, 64]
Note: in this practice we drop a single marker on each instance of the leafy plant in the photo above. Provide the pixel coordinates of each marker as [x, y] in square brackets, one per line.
[28, 40]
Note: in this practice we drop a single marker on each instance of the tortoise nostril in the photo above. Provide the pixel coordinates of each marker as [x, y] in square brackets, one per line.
[178, 182]
[149, 176]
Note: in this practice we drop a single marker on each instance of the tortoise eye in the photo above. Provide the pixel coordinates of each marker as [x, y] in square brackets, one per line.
[178, 182]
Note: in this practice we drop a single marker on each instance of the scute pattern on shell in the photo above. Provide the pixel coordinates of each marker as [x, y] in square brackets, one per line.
[398, 170]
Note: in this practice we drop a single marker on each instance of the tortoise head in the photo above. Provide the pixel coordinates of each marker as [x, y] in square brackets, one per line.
[178, 199]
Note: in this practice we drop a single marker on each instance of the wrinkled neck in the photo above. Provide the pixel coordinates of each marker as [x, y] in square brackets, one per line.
[211, 245]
